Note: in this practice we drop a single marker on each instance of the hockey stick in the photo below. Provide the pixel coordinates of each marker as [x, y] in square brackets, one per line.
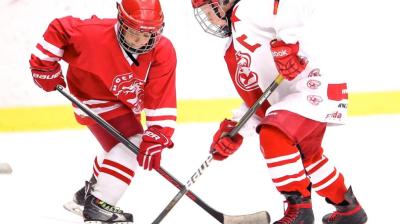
[222, 218]
[199, 172]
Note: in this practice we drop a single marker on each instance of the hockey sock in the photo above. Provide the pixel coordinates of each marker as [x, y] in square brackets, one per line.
[284, 161]
[115, 174]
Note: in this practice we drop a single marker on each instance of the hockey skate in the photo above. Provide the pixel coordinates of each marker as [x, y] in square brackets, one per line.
[78, 200]
[298, 211]
[347, 212]
[76, 205]
[97, 211]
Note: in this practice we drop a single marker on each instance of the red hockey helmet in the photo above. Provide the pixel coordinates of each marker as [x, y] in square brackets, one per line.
[139, 16]
[198, 3]
[212, 16]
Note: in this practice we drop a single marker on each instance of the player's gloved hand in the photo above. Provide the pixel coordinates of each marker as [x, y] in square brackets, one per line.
[153, 142]
[287, 60]
[48, 79]
[222, 145]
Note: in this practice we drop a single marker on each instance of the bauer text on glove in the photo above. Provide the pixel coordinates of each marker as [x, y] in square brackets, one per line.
[48, 79]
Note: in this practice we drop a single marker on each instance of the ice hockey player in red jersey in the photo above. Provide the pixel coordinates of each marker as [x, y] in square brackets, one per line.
[119, 68]
[265, 40]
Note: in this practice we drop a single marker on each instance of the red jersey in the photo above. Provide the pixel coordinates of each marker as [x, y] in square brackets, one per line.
[103, 77]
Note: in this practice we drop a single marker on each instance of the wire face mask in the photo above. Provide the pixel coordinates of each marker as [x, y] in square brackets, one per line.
[212, 18]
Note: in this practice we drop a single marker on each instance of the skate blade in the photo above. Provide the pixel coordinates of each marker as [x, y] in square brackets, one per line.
[73, 207]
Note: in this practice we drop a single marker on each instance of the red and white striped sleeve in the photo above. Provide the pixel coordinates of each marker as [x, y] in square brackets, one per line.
[50, 49]
[164, 117]
[160, 89]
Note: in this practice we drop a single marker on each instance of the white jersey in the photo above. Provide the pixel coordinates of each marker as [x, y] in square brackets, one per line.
[254, 25]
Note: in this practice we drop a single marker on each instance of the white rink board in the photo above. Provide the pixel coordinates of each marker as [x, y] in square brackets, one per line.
[354, 40]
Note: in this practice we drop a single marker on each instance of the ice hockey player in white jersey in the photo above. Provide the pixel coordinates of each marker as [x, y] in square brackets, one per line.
[264, 39]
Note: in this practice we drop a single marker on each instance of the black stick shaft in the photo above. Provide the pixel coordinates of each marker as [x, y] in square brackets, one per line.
[216, 214]
[232, 133]
[256, 105]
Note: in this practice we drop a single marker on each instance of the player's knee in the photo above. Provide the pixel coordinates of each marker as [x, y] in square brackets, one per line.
[274, 142]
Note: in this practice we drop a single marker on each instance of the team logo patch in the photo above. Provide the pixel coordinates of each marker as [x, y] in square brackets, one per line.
[314, 99]
[314, 73]
[129, 90]
[337, 92]
[313, 84]
[245, 78]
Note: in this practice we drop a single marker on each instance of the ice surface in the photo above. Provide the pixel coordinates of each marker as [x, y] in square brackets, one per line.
[48, 167]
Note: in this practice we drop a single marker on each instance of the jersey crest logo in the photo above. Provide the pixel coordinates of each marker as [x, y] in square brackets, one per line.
[129, 90]
[245, 78]
[314, 73]
[313, 84]
[314, 99]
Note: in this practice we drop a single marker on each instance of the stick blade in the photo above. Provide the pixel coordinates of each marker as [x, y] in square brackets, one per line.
[262, 217]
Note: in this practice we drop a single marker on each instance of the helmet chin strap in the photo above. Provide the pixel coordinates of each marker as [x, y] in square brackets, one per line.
[130, 55]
